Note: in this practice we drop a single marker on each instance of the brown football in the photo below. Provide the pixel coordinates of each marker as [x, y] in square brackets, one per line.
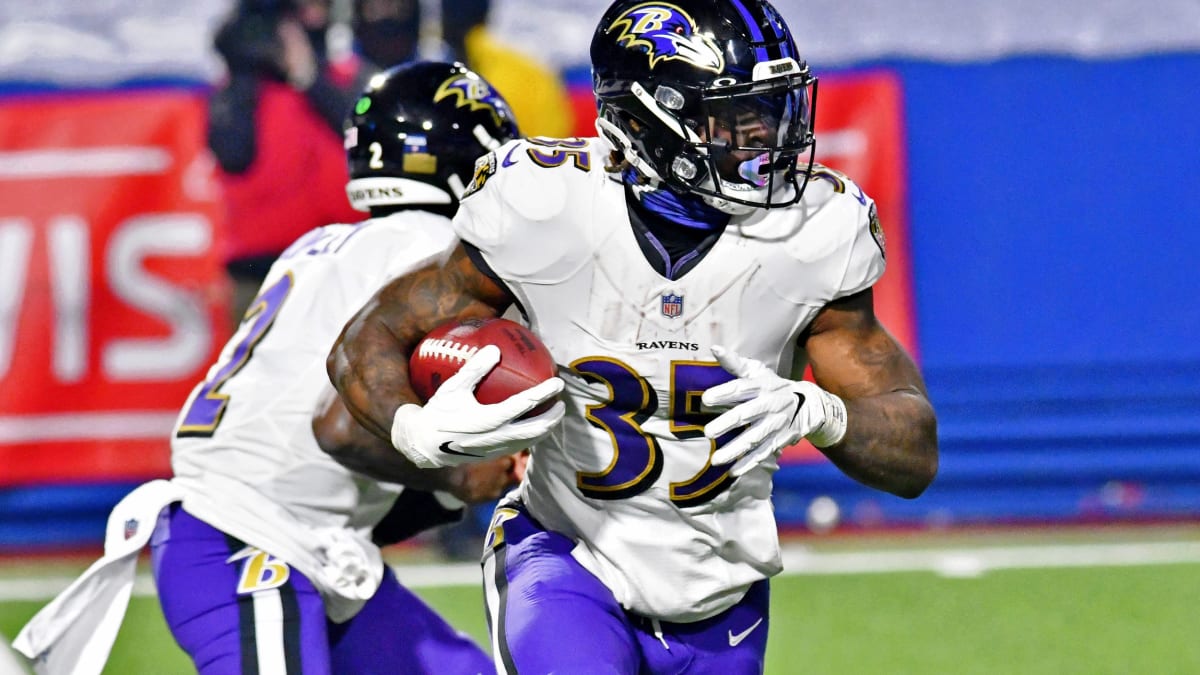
[524, 360]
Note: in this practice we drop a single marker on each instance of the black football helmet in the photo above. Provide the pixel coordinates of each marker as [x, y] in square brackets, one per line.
[707, 97]
[414, 135]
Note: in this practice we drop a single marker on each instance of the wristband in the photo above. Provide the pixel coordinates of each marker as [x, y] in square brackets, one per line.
[832, 430]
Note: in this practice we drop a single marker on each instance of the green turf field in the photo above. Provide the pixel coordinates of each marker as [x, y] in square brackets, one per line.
[1127, 618]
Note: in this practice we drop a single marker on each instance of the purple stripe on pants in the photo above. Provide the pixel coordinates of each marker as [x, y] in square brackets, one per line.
[226, 632]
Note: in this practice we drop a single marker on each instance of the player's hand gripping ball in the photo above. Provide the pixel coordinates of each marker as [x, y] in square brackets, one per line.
[524, 360]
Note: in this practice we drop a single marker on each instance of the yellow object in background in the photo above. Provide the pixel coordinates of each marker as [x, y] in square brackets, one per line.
[536, 93]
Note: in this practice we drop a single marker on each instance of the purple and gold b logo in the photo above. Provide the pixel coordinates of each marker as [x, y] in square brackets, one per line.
[665, 32]
[472, 93]
[261, 571]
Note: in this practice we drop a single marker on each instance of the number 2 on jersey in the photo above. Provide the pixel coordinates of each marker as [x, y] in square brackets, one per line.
[637, 458]
[208, 407]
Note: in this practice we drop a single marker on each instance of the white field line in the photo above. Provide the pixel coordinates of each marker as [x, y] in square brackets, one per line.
[797, 559]
[967, 562]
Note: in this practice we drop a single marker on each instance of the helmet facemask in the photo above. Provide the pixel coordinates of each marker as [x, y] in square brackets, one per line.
[745, 146]
[738, 147]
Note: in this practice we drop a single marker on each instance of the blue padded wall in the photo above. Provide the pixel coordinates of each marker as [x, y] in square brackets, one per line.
[1054, 232]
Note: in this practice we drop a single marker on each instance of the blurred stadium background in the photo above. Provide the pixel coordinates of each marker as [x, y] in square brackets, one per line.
[1036, 167]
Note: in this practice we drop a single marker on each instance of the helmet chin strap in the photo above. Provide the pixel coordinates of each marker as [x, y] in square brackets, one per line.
[617, 139]
[726, 206]
[621, 143]
[758, 194]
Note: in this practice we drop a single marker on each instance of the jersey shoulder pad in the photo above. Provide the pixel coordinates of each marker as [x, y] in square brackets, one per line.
[407, 240]
[839, 240]
[532, 206]
[528, 180]
[378, 249]
[829, 186]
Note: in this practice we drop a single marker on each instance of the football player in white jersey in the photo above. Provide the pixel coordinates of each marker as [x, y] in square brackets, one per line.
[679, 267]
[270, 525]
[265, 556]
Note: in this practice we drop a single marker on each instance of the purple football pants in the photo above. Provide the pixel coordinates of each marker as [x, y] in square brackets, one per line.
[547, 614]
[254, 615]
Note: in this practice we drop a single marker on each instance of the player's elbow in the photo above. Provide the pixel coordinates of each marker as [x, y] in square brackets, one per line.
[923, 467]
[333, 446]
[335, 364]
[333, 427]
[920, 479]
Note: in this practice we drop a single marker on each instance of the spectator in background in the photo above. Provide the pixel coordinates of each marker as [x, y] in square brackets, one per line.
[536, 92]
[275, 129]
[275, 123]
[387, 32]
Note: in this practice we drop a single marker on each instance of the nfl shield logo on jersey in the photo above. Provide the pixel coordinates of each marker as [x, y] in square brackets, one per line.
[672, 305]
[131, 528]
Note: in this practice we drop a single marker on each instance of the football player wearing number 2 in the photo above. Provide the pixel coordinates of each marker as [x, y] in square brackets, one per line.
[266, 551]
[678, 267]
[273, 529]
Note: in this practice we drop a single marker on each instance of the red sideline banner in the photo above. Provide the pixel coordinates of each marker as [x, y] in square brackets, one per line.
[111, 294]
[860, 131]
[111, 297]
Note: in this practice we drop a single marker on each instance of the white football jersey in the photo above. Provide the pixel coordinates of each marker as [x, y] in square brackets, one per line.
[627, 474]
[243, 444]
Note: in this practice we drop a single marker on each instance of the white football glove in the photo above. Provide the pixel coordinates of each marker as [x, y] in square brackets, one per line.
[454, 428]
[777, 412]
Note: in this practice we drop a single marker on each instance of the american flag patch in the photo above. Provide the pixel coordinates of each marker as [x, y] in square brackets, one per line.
[672, 305]
[416, 156]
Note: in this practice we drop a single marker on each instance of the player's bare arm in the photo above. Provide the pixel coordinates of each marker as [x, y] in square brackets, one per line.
[369, 361]
[891, 429]
[352, 446]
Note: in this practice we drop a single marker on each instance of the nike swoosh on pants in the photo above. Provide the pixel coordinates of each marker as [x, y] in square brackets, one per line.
[736, 639]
